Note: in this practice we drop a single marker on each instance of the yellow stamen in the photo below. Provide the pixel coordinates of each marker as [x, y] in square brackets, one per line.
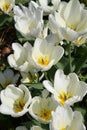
[5, 6]
[63, 97]
[19, 105]
[43, 60]
[80, 41]
[45, 114]
[63, 129]
[71, 27]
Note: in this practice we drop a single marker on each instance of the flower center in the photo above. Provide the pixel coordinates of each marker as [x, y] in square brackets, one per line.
[63, 97]
[63, 129]
[43, 60]
[5, 6]
[71, 27]
[18, 105]
[45, 114]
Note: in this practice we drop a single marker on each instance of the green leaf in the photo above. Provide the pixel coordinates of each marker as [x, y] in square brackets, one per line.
[22, 1]
[35, 85]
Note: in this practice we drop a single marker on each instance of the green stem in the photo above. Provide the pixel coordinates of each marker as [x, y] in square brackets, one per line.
[70, 61]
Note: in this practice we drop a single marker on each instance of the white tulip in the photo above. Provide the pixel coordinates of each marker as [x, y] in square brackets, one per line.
[8, 77]
[15, 100]
[64, 118]
[7, 5]
[19, 60]
[28, 21]
[41, 108]
[45, 55]
[70, 22]
[67, 88]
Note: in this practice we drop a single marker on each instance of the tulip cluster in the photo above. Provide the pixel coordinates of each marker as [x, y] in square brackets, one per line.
[43, 79]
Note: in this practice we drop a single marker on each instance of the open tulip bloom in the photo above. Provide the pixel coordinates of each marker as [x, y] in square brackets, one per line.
[7, 5]
[41, 108]
[45, 55]
[15, 100]
[70, 22]
[67, 88]
[65, 119]
[28, 21]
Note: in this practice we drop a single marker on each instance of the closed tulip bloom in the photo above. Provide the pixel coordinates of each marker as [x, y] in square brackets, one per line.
[18, 60]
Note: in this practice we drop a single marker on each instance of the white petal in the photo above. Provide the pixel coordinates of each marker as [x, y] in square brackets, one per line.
[72, 13]
[48, 85]
[58, 52]
[43, 2]
[12, 61]
[17, 50]
[83, 24]
[77, 121]
[74, 82]
[82, 89]
[61, 81]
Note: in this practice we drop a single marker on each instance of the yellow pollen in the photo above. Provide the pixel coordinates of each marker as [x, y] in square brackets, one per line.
[18, 105]
[63, 129]
[45, 114]
[71, 27]
[5, 6]
[63, 97]
[43, 60]
[80, 41]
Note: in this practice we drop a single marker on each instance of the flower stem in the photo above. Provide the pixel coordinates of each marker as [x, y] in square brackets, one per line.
[70, 61]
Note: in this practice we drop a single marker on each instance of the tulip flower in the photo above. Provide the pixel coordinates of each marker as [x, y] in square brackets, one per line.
[7, 5]
[15, 100]
[70, 22]
[67, 88]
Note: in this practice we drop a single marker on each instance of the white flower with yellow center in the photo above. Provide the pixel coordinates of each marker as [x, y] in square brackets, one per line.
[70, 22]
[8, 77]
[65, 119]
[28, 21]
[45, 55]
[41, 108]
[67, 88]
[7, 5]
[19, 60]
[15, 100]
